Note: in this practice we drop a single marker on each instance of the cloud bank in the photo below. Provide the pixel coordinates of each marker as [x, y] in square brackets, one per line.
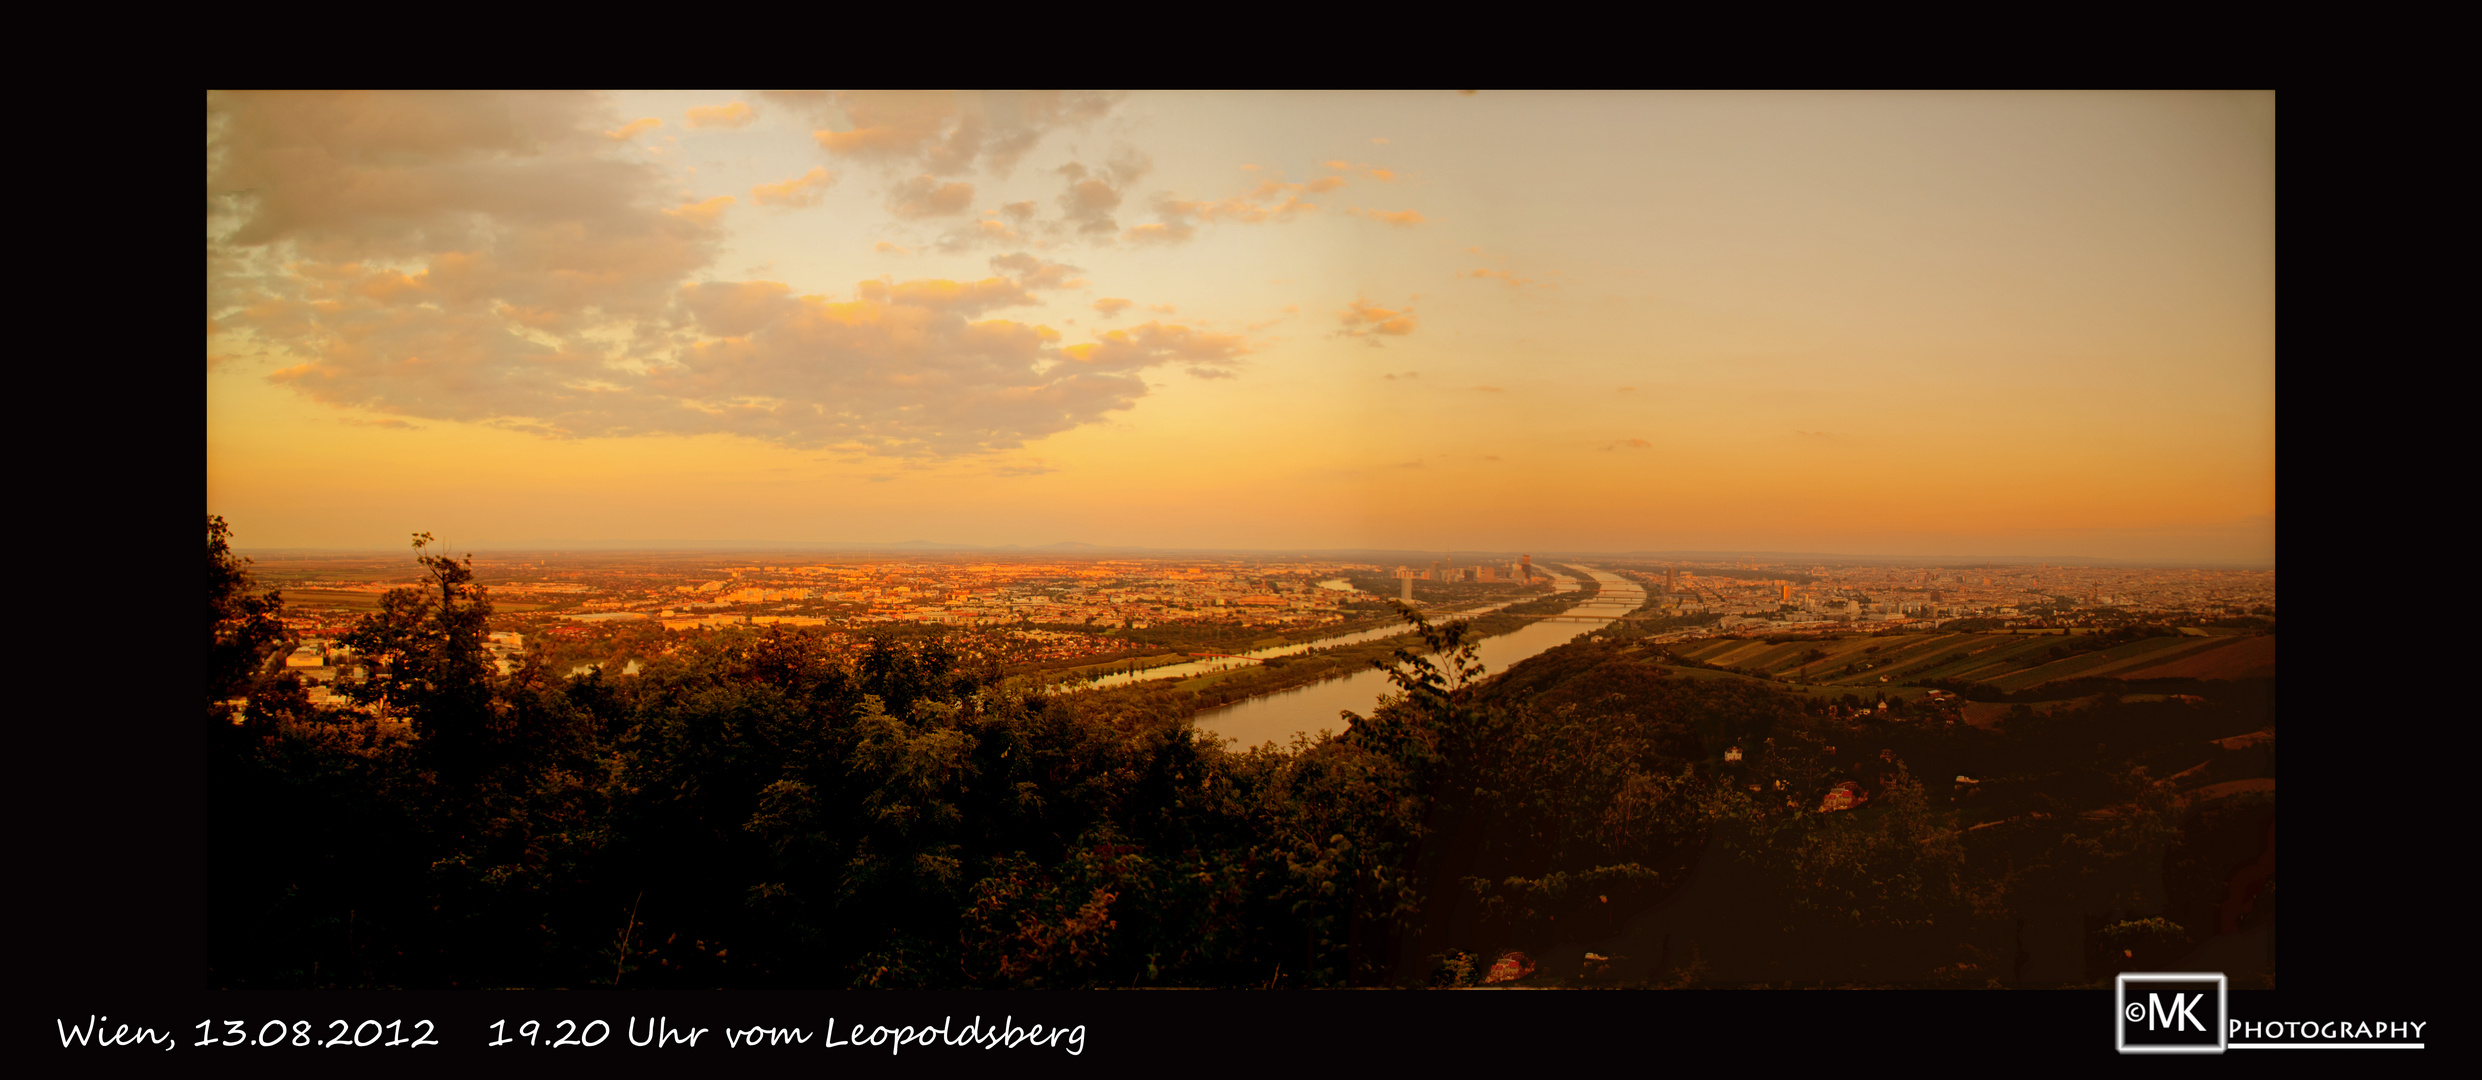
[501, 259]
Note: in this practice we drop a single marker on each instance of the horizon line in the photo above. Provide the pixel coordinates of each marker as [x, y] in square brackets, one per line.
[919, 547]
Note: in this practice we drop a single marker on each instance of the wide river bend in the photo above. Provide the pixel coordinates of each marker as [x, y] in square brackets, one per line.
[1279, 716]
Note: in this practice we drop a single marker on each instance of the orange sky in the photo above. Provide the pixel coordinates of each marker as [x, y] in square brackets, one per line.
[2034, 324]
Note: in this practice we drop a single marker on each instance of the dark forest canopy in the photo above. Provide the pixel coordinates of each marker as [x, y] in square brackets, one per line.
[761, 811]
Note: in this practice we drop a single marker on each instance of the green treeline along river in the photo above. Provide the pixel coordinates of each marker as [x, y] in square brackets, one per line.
[1279, 716]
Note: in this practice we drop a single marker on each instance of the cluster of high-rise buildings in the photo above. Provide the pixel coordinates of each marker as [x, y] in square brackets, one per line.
[1521, 571]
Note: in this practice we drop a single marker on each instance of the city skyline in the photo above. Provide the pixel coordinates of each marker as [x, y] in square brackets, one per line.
[1885, 325]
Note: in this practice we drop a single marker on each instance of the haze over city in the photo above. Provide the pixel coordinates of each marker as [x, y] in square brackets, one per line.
[758, 541]
[1884, 324]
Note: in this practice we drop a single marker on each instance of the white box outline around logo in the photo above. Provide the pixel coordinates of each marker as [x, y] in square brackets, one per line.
[2120, 1004]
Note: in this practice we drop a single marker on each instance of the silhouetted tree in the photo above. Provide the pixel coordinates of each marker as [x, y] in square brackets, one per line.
[427, 664]
[242, 629]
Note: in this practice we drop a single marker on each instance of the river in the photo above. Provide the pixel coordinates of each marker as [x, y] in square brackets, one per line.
[1279, 716]
[1191, 668]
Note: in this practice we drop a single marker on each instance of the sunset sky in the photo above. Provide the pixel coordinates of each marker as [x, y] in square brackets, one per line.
[1917, 324]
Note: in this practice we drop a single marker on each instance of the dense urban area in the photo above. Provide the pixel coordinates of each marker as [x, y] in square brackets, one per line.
[945, 769]
[583, 611]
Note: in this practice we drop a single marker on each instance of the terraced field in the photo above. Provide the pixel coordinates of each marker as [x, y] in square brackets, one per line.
[2115, 662]
[2007, 661]
[2235, 659]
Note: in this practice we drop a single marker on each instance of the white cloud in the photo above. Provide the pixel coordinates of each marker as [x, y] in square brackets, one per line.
[944, 133]
[927, 196]
[1272, 198]
[1369, 321]
[803, 190]
[733, 115]
[496, 259]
